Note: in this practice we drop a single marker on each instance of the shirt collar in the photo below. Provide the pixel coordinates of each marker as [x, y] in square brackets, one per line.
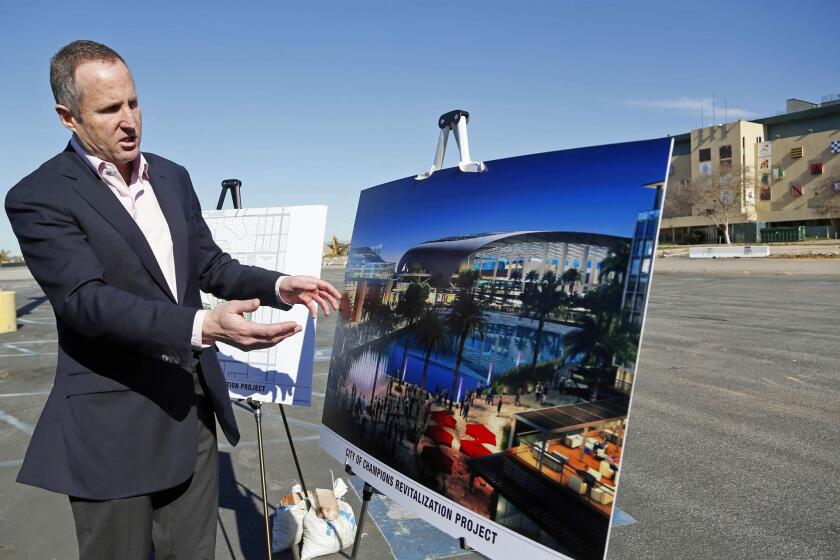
[102, 167]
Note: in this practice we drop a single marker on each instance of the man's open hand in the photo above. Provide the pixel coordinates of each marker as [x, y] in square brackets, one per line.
[311, 292]
[225, 323]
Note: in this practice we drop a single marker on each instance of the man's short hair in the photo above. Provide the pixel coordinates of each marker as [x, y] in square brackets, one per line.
[63, 70]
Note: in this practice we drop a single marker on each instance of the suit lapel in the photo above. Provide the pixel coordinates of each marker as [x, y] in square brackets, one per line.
[100, 197]
[167, 198]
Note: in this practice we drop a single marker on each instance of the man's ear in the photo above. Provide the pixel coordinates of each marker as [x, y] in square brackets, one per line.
[66, 117]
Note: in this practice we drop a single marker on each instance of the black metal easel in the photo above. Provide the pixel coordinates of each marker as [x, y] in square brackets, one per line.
[253, 406]
[367, 493]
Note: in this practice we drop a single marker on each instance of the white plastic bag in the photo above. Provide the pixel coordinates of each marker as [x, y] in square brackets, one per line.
[321, 536]
[287, 523]
[287, 526]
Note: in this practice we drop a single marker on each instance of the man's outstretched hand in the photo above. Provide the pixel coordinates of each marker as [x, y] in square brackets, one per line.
[225, 323]
[309, 291]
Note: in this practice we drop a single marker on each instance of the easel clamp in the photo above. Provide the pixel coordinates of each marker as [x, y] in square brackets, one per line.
[456, 122]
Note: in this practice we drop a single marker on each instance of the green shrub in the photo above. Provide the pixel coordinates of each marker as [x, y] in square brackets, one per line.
[524, 377]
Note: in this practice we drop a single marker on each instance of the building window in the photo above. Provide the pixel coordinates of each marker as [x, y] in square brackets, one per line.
[796, 190]
[725, 153]
[816, 168]
[765, 194]
[706, 154]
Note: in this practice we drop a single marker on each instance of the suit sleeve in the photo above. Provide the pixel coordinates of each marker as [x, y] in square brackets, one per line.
[223, 276]
[60, 258]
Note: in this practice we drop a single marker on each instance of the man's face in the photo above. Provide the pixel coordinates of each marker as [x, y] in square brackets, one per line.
[109, 124]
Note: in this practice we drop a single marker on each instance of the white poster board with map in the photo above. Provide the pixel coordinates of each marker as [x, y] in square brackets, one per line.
[288, 239]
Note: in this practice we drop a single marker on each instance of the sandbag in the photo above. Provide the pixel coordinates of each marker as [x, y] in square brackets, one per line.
[287, 521]
[324, 536]
[287, 526]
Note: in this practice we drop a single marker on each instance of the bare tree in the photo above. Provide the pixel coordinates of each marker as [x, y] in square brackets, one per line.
[827, 196]
[677, 199]
[719, 196]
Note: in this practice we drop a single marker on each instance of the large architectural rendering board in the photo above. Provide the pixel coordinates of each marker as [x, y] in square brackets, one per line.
[484, 357]
[287, 239]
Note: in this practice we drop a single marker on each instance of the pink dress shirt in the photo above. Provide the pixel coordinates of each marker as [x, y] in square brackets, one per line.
[139, 200]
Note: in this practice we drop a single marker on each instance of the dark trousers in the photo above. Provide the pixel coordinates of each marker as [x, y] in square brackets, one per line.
[180, 521]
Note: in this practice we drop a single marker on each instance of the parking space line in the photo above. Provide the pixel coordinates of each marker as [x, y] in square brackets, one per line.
[22, 350]
[16, 423]
[32, 394]
[26, 352]
[36, 321]
[323, 354]
[621, 518]
[294, 421]
[241, 444]
[12, 463]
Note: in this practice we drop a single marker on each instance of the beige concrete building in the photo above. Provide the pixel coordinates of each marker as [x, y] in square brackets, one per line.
[787, 173]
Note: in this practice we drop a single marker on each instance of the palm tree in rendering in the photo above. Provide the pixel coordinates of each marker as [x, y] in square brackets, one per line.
[516, 279]
[570, 278]
[467, 280]
[601, 339]
[430, 333]
[530, 280]
[538, 302]
[410, 308]
[616, 261]
[512, 286]
[466, 318]
[381, 321]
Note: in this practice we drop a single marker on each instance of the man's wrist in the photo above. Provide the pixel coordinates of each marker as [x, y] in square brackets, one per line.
[200, 338]
[281, 302]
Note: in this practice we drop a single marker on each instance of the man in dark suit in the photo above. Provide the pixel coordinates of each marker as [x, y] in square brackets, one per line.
[116, 240]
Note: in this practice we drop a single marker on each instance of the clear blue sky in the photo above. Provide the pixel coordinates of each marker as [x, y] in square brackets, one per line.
[310, 102]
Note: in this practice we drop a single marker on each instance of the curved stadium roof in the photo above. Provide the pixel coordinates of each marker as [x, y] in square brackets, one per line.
[442, 257]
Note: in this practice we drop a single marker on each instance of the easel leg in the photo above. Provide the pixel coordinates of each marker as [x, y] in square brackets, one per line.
[258, 417]
[367, 493]
[294, 453]
[462, 542]
[255, 408]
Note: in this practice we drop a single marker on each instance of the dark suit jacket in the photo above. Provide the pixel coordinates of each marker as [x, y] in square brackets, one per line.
[120, 419]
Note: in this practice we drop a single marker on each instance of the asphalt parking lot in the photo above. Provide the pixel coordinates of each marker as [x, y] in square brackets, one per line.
[733, 438]
[731, 452]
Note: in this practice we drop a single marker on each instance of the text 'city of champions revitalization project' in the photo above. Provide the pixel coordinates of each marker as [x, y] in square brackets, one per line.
[484, 357]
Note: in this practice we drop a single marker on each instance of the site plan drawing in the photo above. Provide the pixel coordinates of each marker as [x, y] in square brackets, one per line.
[287, 239]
